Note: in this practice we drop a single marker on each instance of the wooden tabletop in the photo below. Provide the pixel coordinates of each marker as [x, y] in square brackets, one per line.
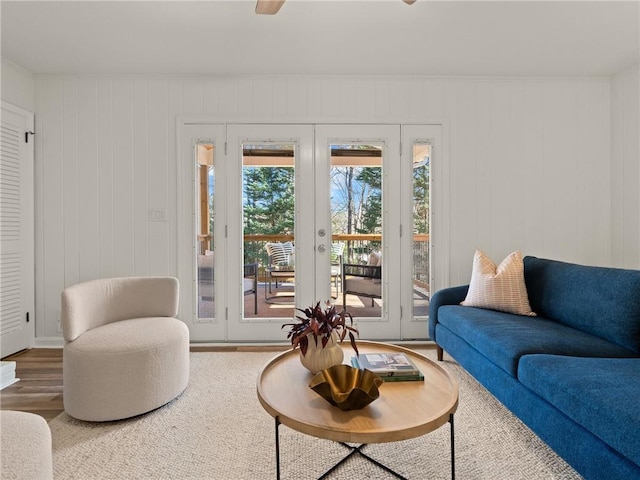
[404, 409]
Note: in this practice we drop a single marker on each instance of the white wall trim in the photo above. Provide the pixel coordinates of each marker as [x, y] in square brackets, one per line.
[244, 120]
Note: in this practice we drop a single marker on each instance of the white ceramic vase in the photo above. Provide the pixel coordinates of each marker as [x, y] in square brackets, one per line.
[318, 358]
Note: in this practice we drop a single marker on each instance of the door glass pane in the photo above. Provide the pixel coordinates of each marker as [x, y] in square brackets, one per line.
[356, 223]
[268, 227]
[421, 265]
[205, 250]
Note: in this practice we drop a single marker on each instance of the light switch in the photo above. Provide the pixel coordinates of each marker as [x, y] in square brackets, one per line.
[157, 215]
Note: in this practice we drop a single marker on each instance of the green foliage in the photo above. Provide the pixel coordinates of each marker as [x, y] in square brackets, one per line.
[268, 205]
[356, 203]
[421, 199]
[269, 200]
[371, 221]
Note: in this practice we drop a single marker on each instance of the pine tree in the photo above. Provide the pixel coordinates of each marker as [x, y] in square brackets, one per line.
[268, 204]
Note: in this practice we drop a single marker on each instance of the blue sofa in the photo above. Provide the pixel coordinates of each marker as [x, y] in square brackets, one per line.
[571, 373]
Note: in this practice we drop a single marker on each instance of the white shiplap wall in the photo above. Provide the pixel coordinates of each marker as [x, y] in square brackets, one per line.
[625, 167]
[528, 163]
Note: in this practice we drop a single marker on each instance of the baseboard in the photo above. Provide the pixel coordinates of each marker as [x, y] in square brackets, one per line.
[56, 342]
[48, 342]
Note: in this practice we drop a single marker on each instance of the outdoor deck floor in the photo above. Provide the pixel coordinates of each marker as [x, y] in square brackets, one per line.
[356, 305]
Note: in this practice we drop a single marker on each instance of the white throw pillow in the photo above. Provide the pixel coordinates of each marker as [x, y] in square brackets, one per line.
[375, 260]
[498, 288]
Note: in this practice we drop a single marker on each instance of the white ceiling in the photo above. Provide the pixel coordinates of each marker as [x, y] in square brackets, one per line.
[310, 37]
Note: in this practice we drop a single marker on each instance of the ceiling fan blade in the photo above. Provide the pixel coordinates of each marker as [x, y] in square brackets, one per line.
[409, 2]
[268, 7]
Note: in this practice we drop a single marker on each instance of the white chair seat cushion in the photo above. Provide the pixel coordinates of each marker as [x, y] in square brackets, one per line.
[125, 368]
[248, 285]
[25, 446]
[363, 286]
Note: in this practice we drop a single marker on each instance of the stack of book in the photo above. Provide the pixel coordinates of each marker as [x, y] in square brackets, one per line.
[391, 367]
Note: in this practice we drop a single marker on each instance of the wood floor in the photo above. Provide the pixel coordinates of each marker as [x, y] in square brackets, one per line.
[40, 387]
[39, 390]
[40, 372]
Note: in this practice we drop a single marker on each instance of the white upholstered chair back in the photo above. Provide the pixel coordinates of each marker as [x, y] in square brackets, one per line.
[99, 302]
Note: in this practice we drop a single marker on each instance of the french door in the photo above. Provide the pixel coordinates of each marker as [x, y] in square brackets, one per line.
[361, 164]
[278, 161]
[331, 197]
[17, 296]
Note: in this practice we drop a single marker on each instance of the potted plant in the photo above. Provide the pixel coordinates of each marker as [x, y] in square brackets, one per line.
[318, 333]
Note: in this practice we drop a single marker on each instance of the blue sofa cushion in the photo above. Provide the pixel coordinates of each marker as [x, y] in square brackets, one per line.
[503, 337]
[601, 394]
[602, 301]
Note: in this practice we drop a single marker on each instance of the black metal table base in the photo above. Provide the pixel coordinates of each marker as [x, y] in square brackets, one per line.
[358, 451]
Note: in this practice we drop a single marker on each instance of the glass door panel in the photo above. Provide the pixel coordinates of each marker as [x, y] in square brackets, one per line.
[417, 277]
[356, 234]
[201, 220]
[270, 235]
[356, 227]
[421, 162]
[205, 187]
[268, 207]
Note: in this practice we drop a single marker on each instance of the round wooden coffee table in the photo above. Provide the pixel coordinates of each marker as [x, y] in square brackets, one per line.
[404, 409]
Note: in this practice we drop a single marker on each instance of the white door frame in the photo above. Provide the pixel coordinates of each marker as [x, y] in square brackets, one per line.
[412, 327]
[388, 135]
[188, 137]
[259, 330]
[17, 270]
[301, 135]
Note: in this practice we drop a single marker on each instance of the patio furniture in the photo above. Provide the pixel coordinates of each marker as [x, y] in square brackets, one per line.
[362, 280]
[250, 283]
[280, 267]
[280, 257]
[337, 252]
[206, 276]
[275, 273]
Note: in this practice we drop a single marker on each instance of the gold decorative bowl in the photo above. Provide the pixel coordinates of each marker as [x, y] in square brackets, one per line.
[346, 387]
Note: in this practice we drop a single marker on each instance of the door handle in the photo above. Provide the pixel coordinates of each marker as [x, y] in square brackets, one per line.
[322, 248]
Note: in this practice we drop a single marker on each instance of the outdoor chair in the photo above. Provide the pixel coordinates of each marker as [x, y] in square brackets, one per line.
[250, 283]
[206, 276]
[280, 261]
[362, 280]
[337, 252]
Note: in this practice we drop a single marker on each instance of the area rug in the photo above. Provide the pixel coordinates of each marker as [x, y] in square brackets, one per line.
[217, 429]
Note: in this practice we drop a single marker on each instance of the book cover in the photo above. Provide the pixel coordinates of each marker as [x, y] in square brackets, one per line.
[404, 378]
[392, 378]
[387, 364]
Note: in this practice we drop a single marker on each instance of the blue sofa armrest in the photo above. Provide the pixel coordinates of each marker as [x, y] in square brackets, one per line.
[446, 296]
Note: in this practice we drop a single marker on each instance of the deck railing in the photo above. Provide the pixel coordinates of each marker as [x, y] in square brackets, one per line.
[357, 249]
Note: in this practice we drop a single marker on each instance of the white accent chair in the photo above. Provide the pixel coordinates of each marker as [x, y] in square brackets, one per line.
[125, 352]
[25, 447]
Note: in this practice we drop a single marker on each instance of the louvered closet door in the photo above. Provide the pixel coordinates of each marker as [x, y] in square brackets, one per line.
[16, 229]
